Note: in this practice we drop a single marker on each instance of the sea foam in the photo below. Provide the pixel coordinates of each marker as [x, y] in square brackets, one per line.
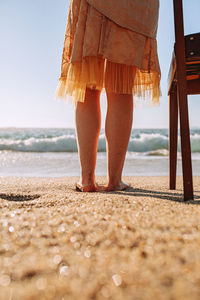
[152, 142]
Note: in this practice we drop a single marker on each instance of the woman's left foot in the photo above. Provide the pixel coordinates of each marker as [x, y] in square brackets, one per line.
[121, 187]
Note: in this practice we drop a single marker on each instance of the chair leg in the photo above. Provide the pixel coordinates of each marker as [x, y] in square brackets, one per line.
[173, 136]
[185, 145]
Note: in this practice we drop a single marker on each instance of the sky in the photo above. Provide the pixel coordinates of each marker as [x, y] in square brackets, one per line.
[32, 36]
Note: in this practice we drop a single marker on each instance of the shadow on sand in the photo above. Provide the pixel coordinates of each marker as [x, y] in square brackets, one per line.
[18, 198]
[170, 196]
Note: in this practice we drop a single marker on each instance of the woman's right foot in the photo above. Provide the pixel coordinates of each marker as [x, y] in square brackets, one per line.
[85, 188]
[88, 188]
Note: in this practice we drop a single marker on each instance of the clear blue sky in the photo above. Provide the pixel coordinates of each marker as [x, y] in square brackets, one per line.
[32, 34]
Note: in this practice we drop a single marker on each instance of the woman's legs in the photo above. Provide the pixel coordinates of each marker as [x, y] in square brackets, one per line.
[118, 128]
[88, 125]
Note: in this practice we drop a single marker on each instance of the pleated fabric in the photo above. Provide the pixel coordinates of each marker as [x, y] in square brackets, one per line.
[100, 54]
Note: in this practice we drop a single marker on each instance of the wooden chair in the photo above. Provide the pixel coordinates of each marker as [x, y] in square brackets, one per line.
[184, 79]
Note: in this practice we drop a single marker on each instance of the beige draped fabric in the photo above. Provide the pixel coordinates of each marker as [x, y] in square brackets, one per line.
[140, 16]
[111, 45]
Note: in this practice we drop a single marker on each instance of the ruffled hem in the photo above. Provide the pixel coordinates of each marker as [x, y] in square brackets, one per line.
[104, 75]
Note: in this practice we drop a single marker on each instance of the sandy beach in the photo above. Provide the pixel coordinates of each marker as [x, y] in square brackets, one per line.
[56, 243]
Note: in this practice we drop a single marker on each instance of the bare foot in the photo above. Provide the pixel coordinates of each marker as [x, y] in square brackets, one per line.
[88, 188]
[121, 187]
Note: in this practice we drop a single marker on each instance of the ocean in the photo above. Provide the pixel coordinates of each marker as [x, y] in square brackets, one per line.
[52, 152]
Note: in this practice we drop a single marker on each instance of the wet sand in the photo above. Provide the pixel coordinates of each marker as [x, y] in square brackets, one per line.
[56, 243]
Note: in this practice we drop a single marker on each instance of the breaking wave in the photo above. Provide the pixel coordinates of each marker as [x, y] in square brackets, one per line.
[148, 142]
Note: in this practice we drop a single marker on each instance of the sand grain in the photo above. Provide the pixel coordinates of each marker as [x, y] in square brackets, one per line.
[56, 243]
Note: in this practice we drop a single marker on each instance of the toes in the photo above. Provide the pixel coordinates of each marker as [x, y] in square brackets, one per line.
[123, 186]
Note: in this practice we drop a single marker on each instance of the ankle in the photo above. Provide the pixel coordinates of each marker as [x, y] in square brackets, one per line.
[114, 181]
[87, 181]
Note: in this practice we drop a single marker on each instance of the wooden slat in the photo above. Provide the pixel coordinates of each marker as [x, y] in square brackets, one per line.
[182, 99]
[173, 136]
[172, 73]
